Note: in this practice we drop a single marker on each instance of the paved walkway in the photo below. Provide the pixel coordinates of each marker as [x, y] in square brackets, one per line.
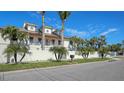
[108, 71]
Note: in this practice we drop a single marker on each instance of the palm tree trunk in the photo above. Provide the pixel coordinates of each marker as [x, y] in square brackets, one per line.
[56, 56]
[22, 57]
[62, 34]
[61, 56]
[43, 35]
[83, 55]
[102, 55]
[15, 57]
[87, 55]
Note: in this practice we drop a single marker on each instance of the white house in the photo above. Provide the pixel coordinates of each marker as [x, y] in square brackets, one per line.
[52, 38]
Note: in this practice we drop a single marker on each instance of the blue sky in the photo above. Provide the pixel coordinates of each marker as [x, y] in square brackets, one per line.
[84, 24]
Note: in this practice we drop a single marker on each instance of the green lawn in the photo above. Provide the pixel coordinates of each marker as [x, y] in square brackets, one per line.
[12, 67]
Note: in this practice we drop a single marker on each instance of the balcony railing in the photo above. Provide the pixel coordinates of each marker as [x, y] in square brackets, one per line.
[40, 43]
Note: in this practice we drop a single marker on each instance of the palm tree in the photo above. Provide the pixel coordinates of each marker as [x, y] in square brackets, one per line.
[23, 42]
[58, 52]
[63, 16]
[76, 41]
[23, 50]
[43, 29]
[15, 49]
[85, 49]
[93, 42]
[123, 46]
[103, 51]
[18, 42]
[123, 43]
[101, 41]
[9, 32]
[12, 49]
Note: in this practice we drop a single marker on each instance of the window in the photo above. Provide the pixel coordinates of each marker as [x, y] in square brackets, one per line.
[53, 42]
[26, 27]
[71, 43]
[31, 40]
[47, 42]
[32, 27]
[47, 31]
[59, 42]
[39, 40]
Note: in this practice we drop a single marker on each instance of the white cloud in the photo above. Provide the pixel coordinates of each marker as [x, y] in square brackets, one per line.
[109, 31]
[34, 14]
[95, 28]
[74, 32]
[58, 26]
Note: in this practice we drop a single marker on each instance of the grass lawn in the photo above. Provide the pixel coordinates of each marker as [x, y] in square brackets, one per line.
[12, 67]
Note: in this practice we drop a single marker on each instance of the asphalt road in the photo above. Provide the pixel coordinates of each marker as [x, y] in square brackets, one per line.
[102, 71]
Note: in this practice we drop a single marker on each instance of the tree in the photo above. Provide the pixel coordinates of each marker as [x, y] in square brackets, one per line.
[63, 16]
[18, 42]
[123, 43]
[12, 49]
[86, 49]
[123, 46]
[118, 48]
[75, 42]
[103, 51]
[23, 50]
[115, 47]
[93, 42]
[9, 32]
[23, 42]
[43, 29]
[58, 52]
[101, 46]
[101, 41]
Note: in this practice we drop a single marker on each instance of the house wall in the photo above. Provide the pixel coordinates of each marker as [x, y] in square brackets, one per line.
[66, 44]
[3, 58]
[79, 56]
[37, 54]
[3, 45]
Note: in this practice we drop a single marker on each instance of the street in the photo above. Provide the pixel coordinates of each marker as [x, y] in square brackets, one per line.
[96, 71]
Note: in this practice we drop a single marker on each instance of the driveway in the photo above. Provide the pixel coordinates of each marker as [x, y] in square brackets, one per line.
[102, 71]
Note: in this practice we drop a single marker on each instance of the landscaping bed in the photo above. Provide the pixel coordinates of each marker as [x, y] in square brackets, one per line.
[22, 66]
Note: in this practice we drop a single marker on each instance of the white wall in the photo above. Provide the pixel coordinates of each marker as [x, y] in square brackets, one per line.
[77, 56]
[3, 41]
[3, 45]
[66, 44]
[3, 58]
[37, 54]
